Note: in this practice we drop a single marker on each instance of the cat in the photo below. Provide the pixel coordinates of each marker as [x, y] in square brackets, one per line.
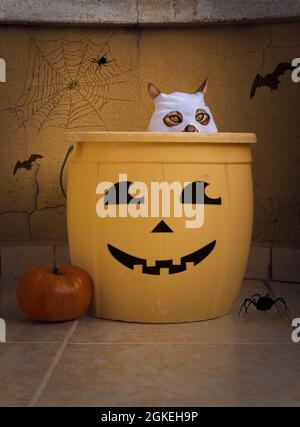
[181, 112]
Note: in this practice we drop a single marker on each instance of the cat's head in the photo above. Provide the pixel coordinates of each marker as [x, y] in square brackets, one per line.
[181, 112]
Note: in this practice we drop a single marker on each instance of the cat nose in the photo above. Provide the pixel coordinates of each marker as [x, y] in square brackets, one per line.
[190, 128]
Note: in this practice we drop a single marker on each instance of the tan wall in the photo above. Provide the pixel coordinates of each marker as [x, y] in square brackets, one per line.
[32, 206]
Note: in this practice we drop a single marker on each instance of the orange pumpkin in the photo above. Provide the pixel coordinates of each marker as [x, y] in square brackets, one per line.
[54, 295]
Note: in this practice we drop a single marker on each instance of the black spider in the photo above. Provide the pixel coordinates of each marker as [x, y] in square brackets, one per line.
[263, 303]
[100, 61]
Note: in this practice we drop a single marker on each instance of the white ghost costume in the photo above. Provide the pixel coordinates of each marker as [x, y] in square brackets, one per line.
[187, 104]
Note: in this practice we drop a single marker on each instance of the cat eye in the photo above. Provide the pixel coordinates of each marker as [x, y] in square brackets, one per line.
[173, 118]
[202, 117]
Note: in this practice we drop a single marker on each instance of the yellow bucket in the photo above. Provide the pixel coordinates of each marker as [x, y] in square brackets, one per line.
[151, 268]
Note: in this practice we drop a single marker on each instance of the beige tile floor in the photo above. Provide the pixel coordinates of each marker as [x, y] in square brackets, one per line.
[93, 362]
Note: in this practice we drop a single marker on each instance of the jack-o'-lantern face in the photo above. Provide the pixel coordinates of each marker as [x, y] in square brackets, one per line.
[121, 192]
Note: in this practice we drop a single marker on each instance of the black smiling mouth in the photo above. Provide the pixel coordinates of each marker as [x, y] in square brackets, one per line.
[130, 261]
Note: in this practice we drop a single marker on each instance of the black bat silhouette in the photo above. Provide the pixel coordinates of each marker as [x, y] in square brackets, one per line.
[26, 164]
[270, 80]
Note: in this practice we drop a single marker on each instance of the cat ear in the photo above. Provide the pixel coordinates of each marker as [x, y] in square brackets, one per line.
[153, 91]
[202, 88]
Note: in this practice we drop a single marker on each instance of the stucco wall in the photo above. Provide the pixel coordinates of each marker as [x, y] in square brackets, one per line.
[146, 12]
[40, 100]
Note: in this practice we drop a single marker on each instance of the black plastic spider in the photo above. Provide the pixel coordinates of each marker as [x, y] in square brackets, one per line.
[263, 303]
[100, 61]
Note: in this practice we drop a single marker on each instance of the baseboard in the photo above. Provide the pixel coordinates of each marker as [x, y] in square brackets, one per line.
[266, 262]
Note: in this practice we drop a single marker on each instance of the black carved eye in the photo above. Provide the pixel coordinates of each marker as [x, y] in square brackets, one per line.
[193, 194]
[119, 194]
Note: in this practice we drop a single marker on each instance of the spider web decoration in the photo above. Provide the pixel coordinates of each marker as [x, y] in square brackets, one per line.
[64, 86]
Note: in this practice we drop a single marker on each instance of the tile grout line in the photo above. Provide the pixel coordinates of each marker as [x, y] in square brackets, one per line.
[53, 365]
[287, 282]
[33, 342]
[271, 264]
[185, 343]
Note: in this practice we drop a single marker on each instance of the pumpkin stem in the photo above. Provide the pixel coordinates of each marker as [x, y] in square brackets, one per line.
[54, 267]
[55, 270]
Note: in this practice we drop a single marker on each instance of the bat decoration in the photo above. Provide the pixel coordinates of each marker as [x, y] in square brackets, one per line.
[26, 164]
[270, 79]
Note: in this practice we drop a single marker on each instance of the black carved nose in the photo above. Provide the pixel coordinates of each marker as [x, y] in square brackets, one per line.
[190, 128]
[162, 227]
